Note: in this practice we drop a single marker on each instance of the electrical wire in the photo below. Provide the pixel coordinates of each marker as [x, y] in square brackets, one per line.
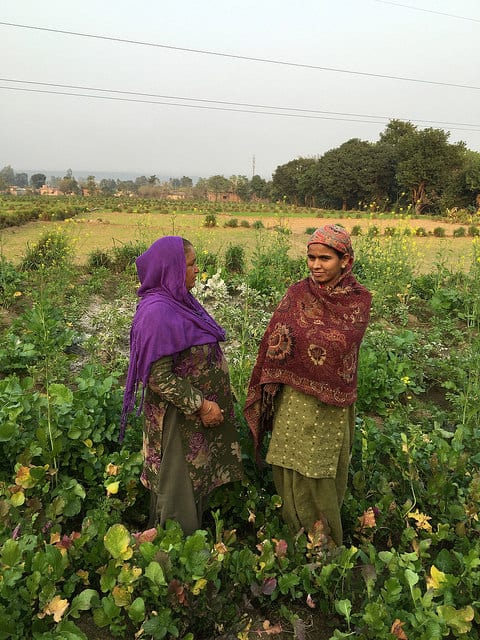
[241, 57]
[438, 13]
[224, 102]
[212, 108]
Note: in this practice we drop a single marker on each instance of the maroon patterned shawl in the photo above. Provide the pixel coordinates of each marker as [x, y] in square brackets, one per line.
[311, 344]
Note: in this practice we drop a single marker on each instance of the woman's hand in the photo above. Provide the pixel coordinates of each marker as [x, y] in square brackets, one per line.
[210, 413]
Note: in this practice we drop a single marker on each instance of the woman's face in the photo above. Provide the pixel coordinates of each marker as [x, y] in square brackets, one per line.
[324, 263]
[192, 268]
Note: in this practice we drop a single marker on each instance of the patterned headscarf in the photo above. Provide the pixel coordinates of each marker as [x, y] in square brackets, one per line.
[334, 236]
[168, 318]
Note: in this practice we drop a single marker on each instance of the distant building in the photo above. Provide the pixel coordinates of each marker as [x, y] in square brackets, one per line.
[17, 191]
[48, 191]
[176, 196]
[223, 196]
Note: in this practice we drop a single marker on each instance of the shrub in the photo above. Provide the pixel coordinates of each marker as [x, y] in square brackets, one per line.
[310, 230]
[207, 262]
[210, 220]
[373, 231]
[420, 232]
[473, 231]
[459, 232]
[235, 259]
[99, 258]
[439, 232]
[52, 249]
[11, 282]
[356, 230]
[273, 270]
[232, 222]
[390, 231]
[245, 223]
[258, 224]
[125, 255]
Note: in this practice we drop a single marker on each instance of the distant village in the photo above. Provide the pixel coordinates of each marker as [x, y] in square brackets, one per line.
[214, 189]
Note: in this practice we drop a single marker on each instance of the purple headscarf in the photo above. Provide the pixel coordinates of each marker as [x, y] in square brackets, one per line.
[168, 318]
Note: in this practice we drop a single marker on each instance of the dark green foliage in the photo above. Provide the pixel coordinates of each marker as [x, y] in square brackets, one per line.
[99, 258]
[235, 259]
[420, 232]
[232, 222]
[52, 249]
[210, 220]
[124, 255]
[11, 282]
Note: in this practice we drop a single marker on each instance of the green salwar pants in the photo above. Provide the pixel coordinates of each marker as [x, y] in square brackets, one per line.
[173, 497]
[306, 500]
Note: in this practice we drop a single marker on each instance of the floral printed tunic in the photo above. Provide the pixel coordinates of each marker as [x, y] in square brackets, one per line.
[176, 389]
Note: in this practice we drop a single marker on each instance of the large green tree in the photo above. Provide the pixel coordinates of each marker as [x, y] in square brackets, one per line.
[292, 181]
[259, 187]
[356, 171]
[426, 163]
[21, 180]
[108, 186]
[37, 180]
[7, 176]
[218, 184]
[68, 184]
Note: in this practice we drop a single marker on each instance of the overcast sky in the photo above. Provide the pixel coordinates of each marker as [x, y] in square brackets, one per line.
[433, 41]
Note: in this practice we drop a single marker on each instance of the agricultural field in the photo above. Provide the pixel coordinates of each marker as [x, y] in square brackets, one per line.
[77, 560]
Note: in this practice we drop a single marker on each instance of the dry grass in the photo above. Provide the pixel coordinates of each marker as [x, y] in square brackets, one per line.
[106, 230]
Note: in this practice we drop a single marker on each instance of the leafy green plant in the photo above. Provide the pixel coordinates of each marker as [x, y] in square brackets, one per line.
[52, 249]
[234, 259]
[99, 258]
[210, 220]
[124, 255]
[11, 283]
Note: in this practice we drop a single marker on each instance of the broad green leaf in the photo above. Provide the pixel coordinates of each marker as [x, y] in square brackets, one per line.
[117, 542]
[154, 573]
[60, 395]
[10, 553]
[344, 608]
[83, 602]
[459, 620]
[7, 431]
[411, 577]
[136, 611]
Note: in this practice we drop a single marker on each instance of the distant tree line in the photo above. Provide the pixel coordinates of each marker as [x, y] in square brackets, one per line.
[406, 169]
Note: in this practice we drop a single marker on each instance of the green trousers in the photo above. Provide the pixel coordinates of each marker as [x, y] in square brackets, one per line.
[306, 500]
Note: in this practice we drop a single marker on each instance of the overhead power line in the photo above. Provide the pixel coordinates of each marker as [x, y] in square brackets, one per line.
[438, 13]
[349, 117]
[241, 57]
[191, 106]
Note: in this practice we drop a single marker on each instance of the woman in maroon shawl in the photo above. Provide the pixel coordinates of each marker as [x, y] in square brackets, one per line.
[190, 442]
[304, 383]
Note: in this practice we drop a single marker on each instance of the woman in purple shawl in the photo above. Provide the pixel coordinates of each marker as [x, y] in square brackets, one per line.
[190, 443]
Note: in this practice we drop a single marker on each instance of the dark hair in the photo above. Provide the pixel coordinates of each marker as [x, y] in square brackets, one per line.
[187, 245]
